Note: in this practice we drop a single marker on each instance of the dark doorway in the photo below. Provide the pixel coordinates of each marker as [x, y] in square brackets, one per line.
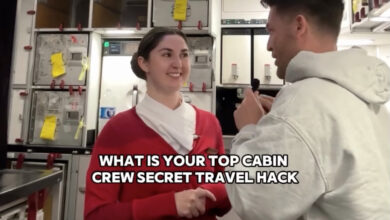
[7, 23]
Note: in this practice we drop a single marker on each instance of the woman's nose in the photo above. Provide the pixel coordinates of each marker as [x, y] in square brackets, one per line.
[177, 62]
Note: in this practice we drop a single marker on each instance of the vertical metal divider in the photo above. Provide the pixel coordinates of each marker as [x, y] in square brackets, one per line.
[68, 184]
[73, 180]
[149, 14]
[212, 8]
[87, 81]
[214, 83]
[221, 56]
[11, 85]
[90, 13]
[72, 15]
[27, 114]
[92, 85]
[252, 55]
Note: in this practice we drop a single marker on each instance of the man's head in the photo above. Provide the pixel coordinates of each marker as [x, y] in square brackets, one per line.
[296, 25]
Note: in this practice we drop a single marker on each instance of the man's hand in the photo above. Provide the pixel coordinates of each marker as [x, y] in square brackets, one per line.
[266, 101]
[192, 203]
[249, 111]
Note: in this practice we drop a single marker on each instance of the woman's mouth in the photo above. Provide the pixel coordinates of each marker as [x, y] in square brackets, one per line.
[175, 75]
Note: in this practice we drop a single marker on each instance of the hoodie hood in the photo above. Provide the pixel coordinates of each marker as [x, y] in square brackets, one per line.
[365, 76]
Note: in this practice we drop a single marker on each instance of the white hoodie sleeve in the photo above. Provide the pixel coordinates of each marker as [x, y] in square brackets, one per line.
[275, 136]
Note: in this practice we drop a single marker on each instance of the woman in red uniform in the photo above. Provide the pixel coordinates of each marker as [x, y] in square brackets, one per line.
[161, 124]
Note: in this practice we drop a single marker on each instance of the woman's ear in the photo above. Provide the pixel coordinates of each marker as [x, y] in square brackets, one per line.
[143, 64]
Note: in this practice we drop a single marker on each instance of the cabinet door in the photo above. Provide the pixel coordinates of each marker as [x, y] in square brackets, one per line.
[120, 88]
[74, 51]
[236, 56]
[227, 99]
[16, 211]
[67, 110]
[201, 49]
[202, 100]
[22, 41]
[15, 119]
[248, 9]
[65, 13]
[56, 195]
[197, 11]
[119, 13]
[264, 64]
[82, 173]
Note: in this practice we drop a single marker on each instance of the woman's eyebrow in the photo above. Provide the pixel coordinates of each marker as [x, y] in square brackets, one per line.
[168, 49]
[165, 49]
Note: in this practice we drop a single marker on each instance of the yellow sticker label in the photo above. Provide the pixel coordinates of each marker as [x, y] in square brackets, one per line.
[81, 125]
[49, 127]
[57, 65]
[180, 10]
[354, 6]
[84, 64]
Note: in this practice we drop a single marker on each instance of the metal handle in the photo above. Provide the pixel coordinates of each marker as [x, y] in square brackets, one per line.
[135, 96]
[82, 190]
[187, 99]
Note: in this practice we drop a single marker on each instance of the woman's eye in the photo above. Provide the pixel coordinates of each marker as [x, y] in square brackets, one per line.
[166, 55]
[185, 54]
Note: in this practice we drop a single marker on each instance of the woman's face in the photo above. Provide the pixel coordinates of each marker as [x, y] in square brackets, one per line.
[168, 66]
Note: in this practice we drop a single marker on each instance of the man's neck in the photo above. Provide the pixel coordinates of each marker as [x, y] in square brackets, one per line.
[324, 44]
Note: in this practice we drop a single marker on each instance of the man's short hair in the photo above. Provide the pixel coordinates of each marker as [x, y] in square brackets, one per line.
[327, 14]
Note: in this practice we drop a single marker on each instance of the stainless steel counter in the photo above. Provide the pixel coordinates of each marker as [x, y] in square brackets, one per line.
[15, 184]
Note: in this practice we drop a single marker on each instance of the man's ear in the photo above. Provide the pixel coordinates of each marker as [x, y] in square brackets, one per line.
[143, 64]
[301, 25]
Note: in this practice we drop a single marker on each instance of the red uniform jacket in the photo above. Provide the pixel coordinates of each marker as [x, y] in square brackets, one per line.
[127, 134]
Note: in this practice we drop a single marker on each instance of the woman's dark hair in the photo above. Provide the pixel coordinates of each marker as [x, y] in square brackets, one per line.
[148, 43]
[327, 14]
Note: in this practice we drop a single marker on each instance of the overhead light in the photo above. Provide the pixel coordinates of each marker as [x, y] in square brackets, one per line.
[380, 19]
[119, 31]
[354, 42]
[388, 106]
[386, 13]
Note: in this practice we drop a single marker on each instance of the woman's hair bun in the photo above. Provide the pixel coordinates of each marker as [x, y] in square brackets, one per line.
[136, 68]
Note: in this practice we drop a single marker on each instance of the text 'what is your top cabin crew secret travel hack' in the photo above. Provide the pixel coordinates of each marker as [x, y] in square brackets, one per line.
[277, 176]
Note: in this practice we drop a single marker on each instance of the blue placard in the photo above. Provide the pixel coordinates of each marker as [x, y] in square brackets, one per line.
[107, 112]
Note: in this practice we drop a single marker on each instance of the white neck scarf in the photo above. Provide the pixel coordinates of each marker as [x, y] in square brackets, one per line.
[176, 127]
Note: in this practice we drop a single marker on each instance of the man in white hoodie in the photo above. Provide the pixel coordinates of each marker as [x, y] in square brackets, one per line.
[331, 122]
